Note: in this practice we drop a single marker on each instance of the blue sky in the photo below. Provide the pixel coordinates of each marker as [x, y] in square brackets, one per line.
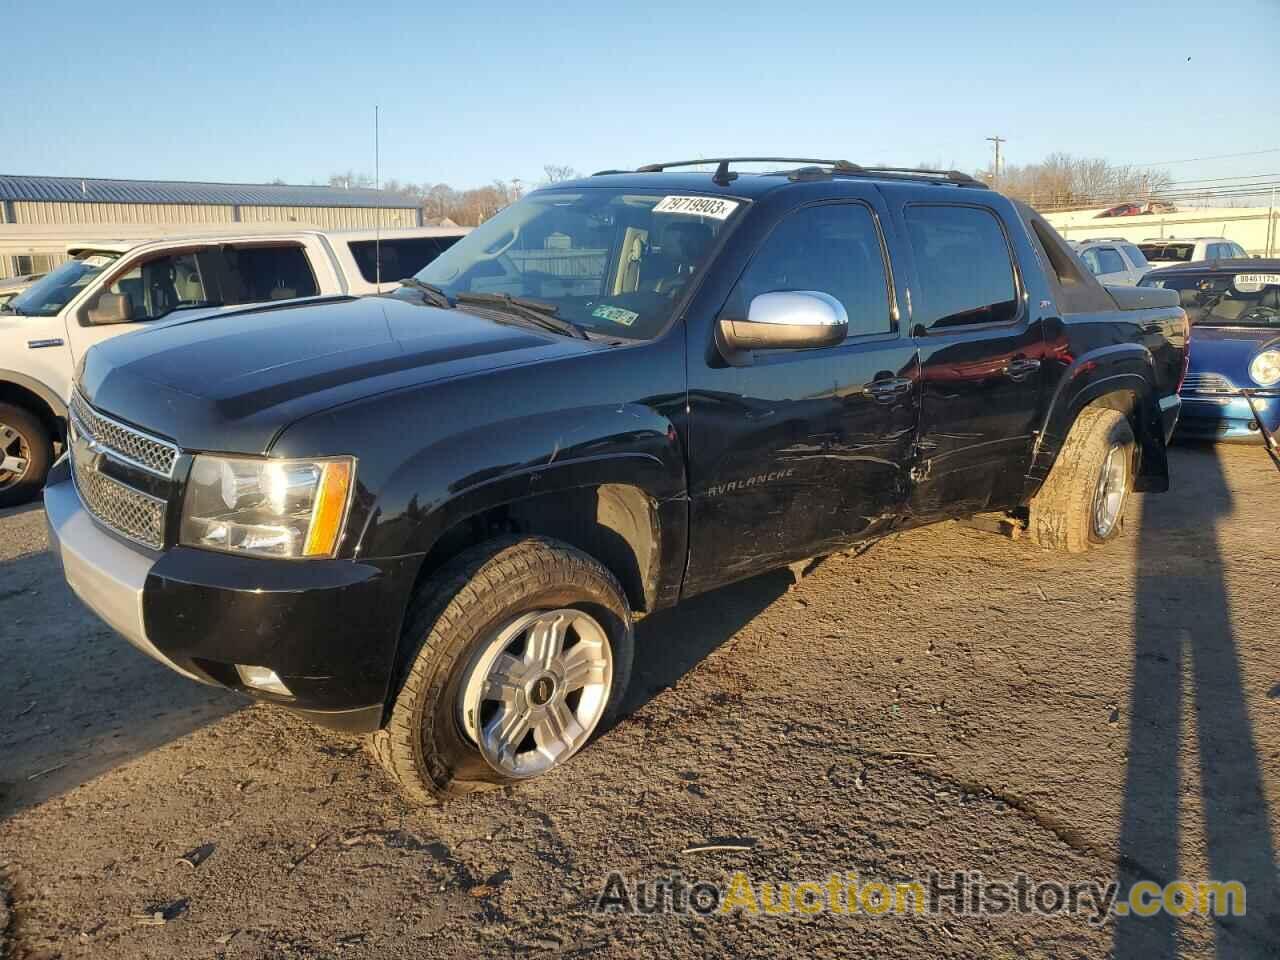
[477, 91]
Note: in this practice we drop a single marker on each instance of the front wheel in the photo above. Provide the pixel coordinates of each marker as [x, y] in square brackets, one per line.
[26, 452]
[520, 649]
[1081, 504]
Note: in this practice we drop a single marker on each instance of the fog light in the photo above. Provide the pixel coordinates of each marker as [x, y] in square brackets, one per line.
[262, 678]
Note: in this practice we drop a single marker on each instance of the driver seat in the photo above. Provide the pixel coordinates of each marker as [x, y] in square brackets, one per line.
[158, 286]
[683, 244]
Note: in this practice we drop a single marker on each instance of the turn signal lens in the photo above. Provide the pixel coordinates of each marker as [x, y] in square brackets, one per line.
[330, 509]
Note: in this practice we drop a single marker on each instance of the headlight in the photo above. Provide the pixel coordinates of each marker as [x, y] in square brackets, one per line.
[1265, 368]
[268, 508]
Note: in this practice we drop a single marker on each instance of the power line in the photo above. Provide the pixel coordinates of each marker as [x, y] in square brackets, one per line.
[1219, 156]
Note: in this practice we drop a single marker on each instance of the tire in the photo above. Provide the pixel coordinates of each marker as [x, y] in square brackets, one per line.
[455, 620]
[1064, 515]
[22, 433]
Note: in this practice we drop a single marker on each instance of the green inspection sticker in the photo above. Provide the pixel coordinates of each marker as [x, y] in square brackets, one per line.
[616, 315]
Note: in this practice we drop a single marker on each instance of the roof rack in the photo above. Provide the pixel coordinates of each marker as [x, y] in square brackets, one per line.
[958, 177]
[723, 175]
[809, 169]
[1104, 240]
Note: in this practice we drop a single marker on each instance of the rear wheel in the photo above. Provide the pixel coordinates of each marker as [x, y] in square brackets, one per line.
[521, 649]
[26, 452]
[1081, 504]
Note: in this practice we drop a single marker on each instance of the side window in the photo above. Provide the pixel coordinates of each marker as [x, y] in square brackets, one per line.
[1111, 261]
[401, 257]
[832, 248]
[962, 259]
[1090, 258]
[157, 287]
[255, 274]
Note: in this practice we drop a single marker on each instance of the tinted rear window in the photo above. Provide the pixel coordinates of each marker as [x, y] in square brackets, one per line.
[401, 257]
[1168, 251]
[962, 259]
[258, 273]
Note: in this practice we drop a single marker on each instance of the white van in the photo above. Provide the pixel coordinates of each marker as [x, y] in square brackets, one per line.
[110, 288]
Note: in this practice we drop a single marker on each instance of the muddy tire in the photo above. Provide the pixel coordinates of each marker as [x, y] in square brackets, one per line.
[1081, 504]
[519, 649]
[24, 440]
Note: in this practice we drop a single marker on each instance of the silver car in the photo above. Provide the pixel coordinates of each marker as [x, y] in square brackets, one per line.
[1113, 260]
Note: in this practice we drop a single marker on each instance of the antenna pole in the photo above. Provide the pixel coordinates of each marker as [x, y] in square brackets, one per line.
[377, 185]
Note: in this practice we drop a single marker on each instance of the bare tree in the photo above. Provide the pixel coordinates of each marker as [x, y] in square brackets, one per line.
[1062, 181]
[558, 173]
[350, 180]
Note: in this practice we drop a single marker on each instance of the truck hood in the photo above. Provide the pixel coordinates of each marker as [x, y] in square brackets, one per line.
[233, 381]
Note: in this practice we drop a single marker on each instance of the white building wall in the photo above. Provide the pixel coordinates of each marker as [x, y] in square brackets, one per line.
[1257, 229]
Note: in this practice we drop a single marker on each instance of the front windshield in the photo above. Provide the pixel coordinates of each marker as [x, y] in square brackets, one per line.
[47, 296]
[1227, 300]
[615, 262]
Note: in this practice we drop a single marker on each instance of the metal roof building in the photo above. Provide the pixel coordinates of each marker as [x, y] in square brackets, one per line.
[68, 209]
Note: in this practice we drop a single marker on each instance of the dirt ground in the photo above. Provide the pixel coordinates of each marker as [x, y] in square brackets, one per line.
[951, 700]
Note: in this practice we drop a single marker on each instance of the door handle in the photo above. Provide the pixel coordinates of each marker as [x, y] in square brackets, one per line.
[1020, 368]
[886, 391]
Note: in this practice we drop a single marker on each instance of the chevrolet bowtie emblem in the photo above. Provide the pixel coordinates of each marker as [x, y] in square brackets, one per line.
[96, 453]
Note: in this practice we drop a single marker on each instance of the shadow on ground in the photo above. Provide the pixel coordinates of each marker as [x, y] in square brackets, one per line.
[75, 698]
[1185, 655]
[672, 642]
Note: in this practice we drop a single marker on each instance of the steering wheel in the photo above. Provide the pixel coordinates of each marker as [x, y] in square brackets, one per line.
[1262, 315]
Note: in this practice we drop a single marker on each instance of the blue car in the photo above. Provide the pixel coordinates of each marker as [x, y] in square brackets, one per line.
[1234, 309]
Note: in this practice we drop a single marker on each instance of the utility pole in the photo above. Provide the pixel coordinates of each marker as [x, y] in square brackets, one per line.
[995, 171]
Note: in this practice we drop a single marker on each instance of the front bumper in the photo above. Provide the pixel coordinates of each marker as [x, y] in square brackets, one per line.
[1227, 417]
[328, 628]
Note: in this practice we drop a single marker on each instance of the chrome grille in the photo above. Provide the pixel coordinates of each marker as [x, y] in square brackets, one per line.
[126, 443]
[97, 439]
[1211, 383]
[137, 515]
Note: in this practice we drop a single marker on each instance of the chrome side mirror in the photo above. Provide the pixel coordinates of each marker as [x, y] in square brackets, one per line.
[110, 308]
[787, 320]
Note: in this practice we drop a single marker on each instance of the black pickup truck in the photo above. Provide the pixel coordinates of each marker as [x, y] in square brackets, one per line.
[432, 517]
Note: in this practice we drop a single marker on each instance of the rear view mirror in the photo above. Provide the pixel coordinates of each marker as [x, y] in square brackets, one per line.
[110, 308]
[794, 319]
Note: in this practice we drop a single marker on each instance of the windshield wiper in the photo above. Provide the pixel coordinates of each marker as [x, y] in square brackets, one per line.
[536, 312]
[432, 294]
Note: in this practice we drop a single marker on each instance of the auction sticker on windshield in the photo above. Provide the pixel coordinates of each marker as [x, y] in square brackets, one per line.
[618, 315]
[713, 207]
[1253, 282]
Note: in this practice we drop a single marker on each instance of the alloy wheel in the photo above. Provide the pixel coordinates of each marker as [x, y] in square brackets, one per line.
[1113, 487]
[15, 457]
[535, 691]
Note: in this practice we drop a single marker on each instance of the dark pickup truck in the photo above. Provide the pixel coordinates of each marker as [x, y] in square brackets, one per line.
[433, 516]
